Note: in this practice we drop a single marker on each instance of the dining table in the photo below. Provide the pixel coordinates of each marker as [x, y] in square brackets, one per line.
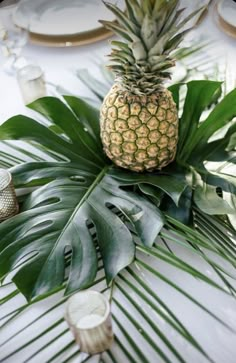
[60, 66]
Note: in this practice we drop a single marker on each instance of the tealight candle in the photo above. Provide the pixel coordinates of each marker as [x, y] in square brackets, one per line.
[8, 201]
[88, 315]
[89, 321]
[31, 82]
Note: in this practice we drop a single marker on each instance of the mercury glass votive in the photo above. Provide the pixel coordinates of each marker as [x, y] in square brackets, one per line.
[31, 82]
[89, 317]
[8, 202]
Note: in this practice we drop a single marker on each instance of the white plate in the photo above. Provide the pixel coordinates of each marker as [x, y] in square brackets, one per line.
[62, 17]
[227, 11]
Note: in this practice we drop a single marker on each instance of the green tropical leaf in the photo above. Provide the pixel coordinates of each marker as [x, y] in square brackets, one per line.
[88, 220]
[155, 194]
[198, 98]
[182, 212]
[75, 128]
[72, 194]
[134, 299]
[217, 150]
[87, 115]
[207, 200]
[224, 112]
[206, 197]
[172, 185]
[230, 198]
[175, 90]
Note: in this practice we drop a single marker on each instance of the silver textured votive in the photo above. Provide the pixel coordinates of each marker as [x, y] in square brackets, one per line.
[31, 82]
[8, 202]
[89, 317]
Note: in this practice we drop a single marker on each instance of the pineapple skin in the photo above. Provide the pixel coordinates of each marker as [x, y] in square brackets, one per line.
[139, 133]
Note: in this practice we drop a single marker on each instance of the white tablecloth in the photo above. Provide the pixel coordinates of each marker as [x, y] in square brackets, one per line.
[58, 65]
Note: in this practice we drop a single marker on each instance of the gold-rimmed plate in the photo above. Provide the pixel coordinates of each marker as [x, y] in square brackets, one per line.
[60, 18]
[228, 28]
[227, 12]
[71, 41]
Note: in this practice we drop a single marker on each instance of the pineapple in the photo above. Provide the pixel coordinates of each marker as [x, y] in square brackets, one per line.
[139, 119]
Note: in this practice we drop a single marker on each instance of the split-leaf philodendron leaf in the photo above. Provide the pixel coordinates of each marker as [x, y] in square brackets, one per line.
[79, 188]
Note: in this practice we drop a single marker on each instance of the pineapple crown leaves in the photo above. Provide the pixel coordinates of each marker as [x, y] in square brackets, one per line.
[152, 30]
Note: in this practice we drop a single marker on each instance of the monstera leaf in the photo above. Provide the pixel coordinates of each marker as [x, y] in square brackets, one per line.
[83, 221]
[71, 195]
[82, 187]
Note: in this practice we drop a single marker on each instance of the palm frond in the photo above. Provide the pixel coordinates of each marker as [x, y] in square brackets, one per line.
[139, 302]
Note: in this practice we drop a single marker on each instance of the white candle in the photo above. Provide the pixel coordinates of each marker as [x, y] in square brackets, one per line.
[89, 321]
[88, 315]
[31, 82]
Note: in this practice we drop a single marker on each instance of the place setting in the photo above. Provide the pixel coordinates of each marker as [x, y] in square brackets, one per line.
[60, 24]
[40, 23]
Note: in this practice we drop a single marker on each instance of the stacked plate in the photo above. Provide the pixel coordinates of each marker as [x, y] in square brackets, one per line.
[226, 11]
[63, 23]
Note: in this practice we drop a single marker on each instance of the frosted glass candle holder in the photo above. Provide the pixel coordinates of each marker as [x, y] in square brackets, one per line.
[8, 202]
[31, 82]
[89, 317]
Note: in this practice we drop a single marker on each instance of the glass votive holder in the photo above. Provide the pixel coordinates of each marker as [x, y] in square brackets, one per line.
[8, 202]
[31, 82]
[89, 318]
